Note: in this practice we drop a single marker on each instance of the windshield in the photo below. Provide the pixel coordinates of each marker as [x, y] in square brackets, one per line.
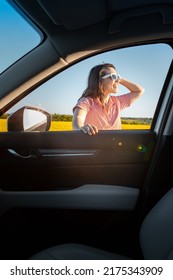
[17, 36]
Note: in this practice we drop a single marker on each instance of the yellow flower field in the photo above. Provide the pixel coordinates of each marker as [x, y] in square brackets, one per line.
[135, 126]
[3, 125]
[59, 126]
[68, 126]
[62, 126]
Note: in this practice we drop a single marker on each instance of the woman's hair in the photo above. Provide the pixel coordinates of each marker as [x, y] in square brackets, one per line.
[94, 80]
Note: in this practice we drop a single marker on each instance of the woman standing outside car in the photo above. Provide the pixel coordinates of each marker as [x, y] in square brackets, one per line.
[96, 109]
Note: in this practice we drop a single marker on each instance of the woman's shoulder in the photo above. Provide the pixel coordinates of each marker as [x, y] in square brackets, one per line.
[84, 103]
[114, 98]
[87, 100]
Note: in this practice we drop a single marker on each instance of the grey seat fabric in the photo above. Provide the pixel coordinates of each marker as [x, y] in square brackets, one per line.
[156, 234]
[156, 239]
[72, 251]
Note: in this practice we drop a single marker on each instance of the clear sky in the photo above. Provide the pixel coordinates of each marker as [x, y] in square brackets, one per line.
[145, 65]
[17, 36]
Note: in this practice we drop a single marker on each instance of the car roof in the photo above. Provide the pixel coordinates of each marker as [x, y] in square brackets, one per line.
[74, 30]
[81, 25]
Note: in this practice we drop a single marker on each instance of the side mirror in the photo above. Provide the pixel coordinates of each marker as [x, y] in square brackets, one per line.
[29, 118]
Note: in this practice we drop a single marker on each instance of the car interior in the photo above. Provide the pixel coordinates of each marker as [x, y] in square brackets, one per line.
[67, 195]
[155, 243]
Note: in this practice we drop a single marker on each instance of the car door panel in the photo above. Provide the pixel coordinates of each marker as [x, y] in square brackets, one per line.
[72, 159]
[72, 187]
[95, 197]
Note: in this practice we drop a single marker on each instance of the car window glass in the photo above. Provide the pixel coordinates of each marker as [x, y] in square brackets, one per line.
[146, 65]
[18, 35]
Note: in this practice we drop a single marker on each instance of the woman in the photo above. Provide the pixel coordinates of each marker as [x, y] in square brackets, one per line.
[97, 109]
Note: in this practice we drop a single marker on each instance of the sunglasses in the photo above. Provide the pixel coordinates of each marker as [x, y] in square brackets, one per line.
[112, 76]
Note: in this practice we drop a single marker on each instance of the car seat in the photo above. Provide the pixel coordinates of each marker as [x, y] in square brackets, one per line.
[156, 239]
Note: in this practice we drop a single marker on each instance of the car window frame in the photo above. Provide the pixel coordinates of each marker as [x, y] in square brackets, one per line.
[160, 99]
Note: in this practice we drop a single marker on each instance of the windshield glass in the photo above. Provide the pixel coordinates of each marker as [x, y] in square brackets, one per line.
[17, 36]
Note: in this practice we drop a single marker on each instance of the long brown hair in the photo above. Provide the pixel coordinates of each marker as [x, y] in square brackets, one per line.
[94, 80]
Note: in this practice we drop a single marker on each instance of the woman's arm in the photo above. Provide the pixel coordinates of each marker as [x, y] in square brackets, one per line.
[79, 116]
[136, 90]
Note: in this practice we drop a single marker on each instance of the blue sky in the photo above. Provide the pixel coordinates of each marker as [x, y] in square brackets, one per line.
[145, 65]
[17, 36]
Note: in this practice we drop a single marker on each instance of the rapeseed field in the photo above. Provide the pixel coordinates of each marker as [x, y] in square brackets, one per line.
[62, 126]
